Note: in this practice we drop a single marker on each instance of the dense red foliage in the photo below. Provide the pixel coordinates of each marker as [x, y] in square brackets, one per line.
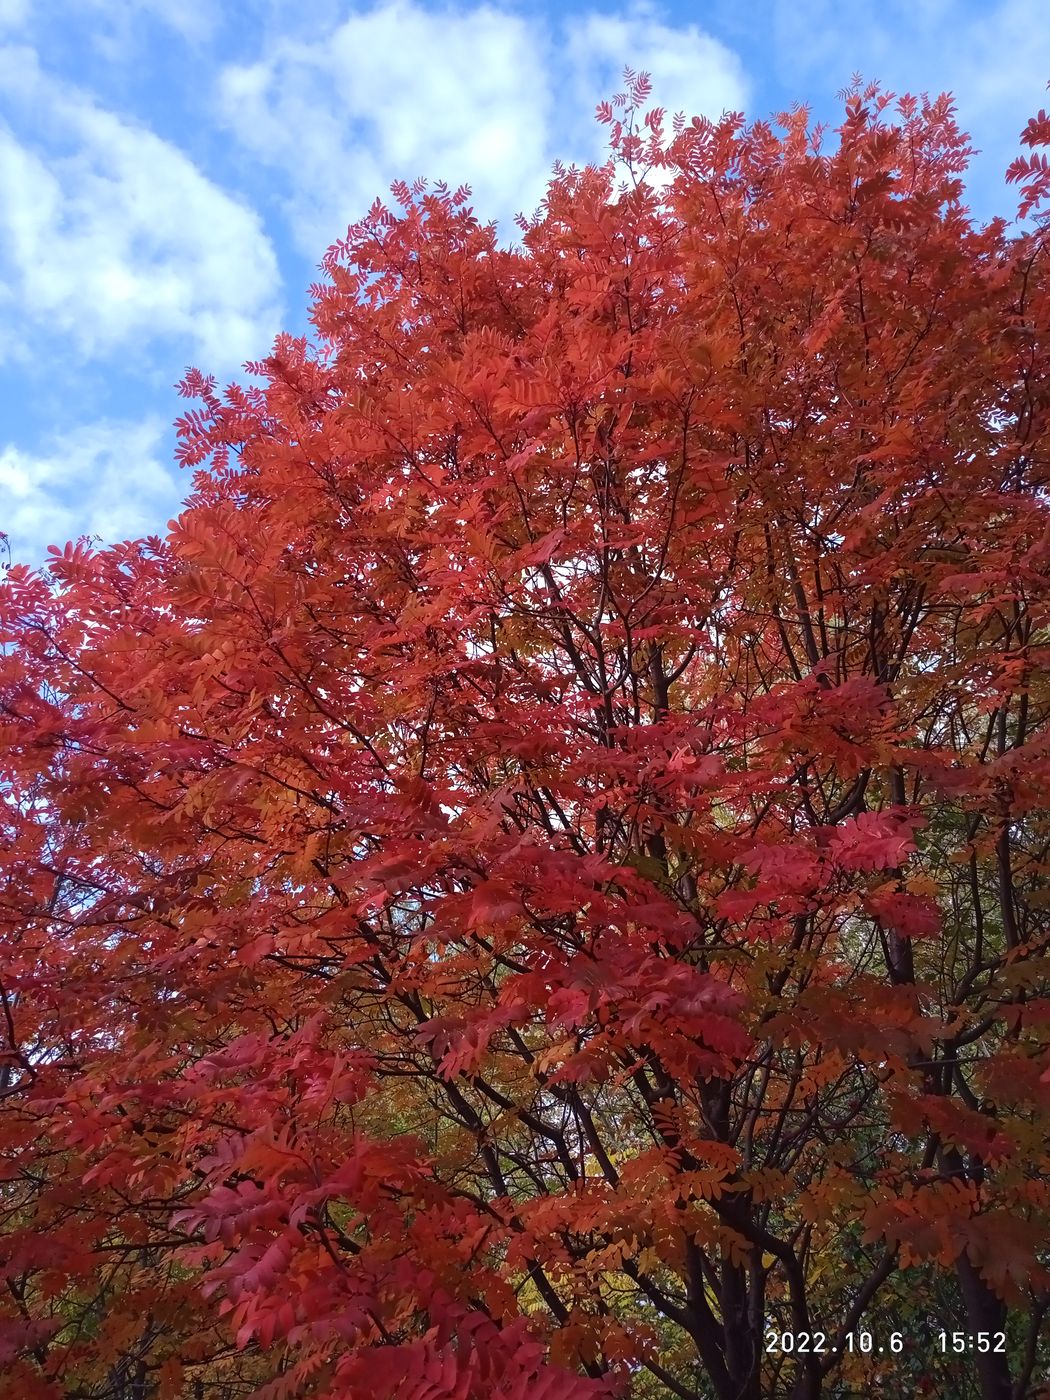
[540, 877]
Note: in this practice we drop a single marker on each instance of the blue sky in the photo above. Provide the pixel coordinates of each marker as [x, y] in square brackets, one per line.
[171, 172]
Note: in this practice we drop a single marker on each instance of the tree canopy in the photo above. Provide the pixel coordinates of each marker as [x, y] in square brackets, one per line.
[536, 885]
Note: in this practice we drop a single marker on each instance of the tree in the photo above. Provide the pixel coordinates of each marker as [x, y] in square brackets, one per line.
[536, 885]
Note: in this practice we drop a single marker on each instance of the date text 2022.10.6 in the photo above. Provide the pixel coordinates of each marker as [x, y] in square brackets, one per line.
[866, 1344]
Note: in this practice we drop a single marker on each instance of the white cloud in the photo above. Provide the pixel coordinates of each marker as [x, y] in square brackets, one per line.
[106, 478]
[121, 31]
[691, 71]
[984, 53]
[474, 96]
[112, 237]
[193, 19]
[396, 91]
[113, 21]
[13, 14]
[1004, 64]
[993, 57]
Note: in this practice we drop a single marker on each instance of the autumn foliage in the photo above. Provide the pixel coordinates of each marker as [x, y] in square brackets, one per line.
[539, 880]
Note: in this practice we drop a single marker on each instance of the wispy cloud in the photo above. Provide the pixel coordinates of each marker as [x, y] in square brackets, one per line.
[993, 57]
[112, 238]
[13, 14]
[112, 22]
[106, 478]
[122, 258]
[691, 71]
[395, 92]
[475, 96]
[194, 21]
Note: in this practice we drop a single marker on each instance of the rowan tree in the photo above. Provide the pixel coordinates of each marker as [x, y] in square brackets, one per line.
[536, 885]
